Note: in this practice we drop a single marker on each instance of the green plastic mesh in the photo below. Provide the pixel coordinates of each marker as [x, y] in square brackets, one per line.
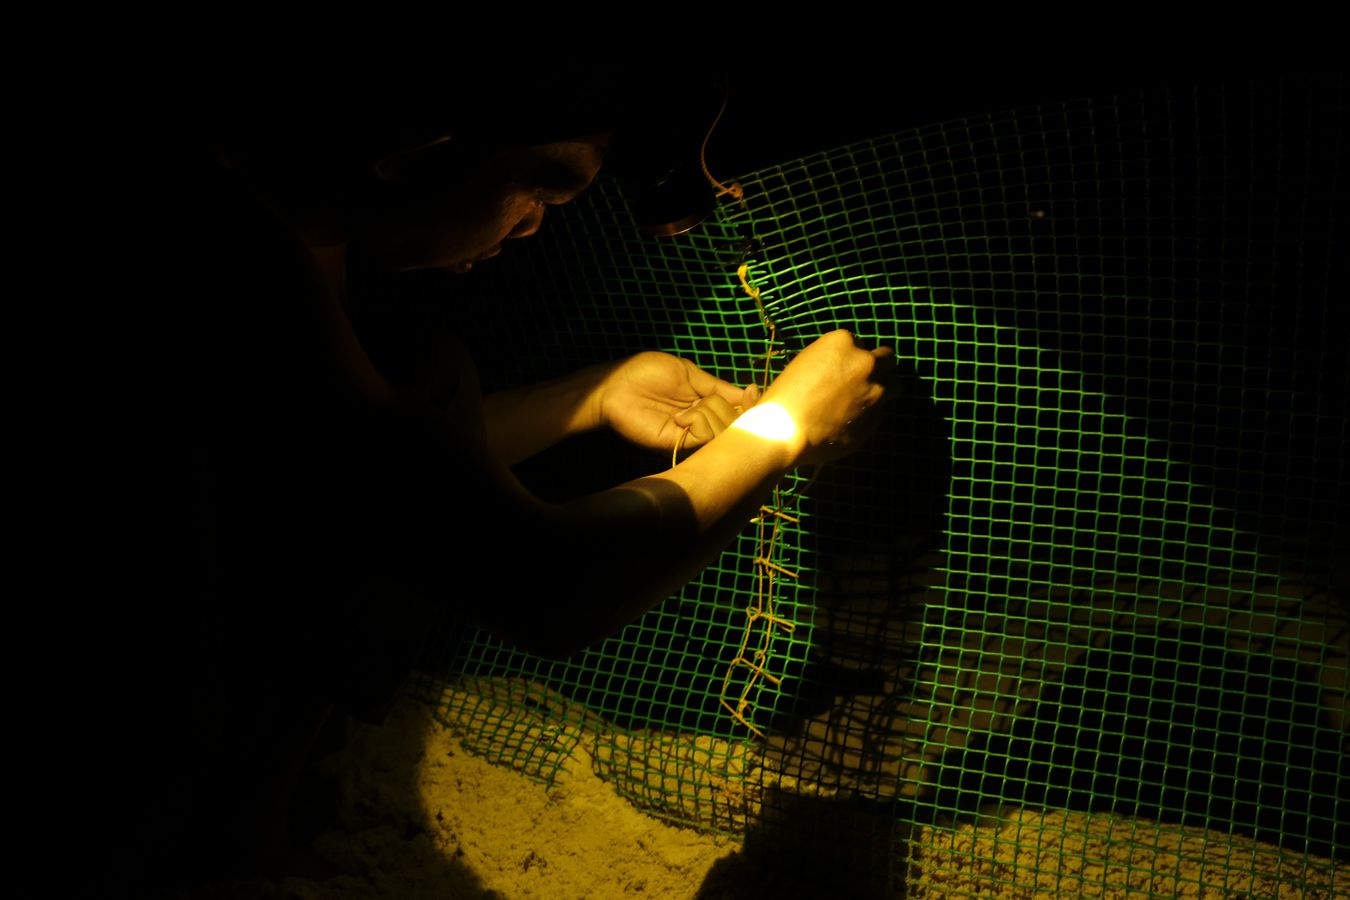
[1075, 619]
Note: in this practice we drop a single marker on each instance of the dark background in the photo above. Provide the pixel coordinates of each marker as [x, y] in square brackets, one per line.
[778, 112]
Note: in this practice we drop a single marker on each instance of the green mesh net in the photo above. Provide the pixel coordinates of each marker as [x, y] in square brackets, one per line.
[1074, 620]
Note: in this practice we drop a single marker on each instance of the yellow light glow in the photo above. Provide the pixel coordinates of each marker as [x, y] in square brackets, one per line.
[767, 420]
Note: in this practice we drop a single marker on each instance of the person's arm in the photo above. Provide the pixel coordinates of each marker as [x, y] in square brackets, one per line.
[649, 398]
[569, 574]
[527, 420]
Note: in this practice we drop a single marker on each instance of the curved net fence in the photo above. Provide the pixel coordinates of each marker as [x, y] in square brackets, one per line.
[1075, 620]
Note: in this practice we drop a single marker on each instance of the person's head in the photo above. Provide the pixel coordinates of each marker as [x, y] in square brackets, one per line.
[441, 172]
[439, 207]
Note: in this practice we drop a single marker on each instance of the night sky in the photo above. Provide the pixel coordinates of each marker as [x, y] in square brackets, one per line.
[777, 112]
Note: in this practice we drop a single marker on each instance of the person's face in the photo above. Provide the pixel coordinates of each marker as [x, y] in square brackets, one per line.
[455, 223]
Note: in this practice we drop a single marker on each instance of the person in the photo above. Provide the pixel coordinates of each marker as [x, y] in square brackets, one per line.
[323, 504]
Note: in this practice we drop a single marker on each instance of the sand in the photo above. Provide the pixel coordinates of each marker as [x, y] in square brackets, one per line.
[422, 817]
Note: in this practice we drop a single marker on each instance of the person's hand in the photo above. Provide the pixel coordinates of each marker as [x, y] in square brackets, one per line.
[651, 398]
[831, 390]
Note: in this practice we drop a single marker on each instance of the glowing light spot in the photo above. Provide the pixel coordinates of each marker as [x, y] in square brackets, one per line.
[767, 420]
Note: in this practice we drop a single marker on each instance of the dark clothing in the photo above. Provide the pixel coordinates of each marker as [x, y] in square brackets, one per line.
[278, 560]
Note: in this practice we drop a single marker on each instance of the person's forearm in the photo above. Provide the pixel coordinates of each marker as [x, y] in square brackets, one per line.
[527, 420]
[630, 547]
[575, 572]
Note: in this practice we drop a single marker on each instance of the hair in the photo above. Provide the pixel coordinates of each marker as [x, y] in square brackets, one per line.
[359, 115]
